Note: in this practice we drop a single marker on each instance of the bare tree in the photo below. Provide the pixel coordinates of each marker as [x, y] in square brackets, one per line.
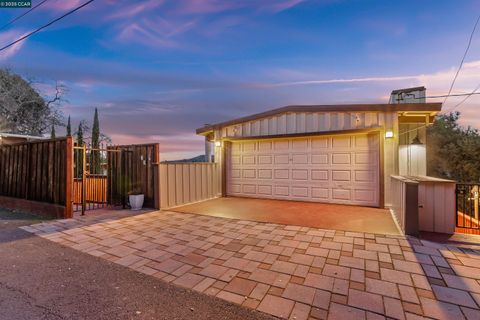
[23, 110]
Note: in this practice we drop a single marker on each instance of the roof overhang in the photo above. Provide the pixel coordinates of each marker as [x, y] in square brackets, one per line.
[421, 108]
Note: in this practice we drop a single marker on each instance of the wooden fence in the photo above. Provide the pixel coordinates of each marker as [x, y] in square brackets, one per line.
[133, 169]
[37, 176]
[182, 183]
[95, 189]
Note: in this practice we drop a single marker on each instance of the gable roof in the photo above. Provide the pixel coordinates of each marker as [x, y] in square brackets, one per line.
[385, 107]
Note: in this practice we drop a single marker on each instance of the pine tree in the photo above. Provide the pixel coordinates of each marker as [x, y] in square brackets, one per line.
[52, 133]
[96, 143]
[69, 128]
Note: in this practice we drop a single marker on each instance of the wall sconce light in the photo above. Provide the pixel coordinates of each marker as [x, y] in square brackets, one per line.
[389, 134]
[218, 143]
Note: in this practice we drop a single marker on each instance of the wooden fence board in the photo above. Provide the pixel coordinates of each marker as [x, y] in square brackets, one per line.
[36, 171]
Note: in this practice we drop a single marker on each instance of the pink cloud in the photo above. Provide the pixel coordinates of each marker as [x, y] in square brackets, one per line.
[61, 5]
[135, 9]
[136, 33]
[8, 37]
[277, 6]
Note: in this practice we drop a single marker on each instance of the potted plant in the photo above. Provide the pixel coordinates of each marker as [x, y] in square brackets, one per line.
[135, 198]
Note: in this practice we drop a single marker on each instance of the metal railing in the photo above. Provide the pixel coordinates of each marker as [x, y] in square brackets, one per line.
[467, 195]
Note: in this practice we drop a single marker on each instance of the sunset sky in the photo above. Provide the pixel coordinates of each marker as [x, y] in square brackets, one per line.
[157, 70]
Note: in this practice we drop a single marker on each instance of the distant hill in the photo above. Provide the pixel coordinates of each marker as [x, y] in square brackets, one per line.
[200, 158]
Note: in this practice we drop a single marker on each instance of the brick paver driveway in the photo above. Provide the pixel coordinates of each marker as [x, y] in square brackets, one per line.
[287, 271]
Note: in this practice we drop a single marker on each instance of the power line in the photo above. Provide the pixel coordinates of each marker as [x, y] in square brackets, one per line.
[446, 95]
[22, 15]
[44, 26]
[466, 98]
[463, 58]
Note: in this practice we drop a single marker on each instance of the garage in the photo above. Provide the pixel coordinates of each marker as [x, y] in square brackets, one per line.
[334, 154]
[342, 168]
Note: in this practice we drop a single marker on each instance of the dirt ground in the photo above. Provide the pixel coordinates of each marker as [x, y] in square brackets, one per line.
[40, 279]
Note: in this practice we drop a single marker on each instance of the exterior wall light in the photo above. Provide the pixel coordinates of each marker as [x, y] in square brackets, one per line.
[218, 143]
[389, 134]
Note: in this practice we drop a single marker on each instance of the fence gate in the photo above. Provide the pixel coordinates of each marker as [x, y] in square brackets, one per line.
[105, 176]
[91, 183]
[468, 208]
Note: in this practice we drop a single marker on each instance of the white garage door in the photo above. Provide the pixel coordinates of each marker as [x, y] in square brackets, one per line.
[337, 169]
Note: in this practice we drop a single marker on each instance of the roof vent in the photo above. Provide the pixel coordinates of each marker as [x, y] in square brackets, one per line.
[408, 95]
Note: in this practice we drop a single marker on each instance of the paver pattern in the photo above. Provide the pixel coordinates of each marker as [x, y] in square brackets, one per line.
[287, 271]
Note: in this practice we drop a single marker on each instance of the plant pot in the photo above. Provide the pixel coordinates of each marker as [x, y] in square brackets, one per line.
[136, 201]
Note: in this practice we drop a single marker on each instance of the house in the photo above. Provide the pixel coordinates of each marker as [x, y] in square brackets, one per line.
[11, 138]
[344, 154]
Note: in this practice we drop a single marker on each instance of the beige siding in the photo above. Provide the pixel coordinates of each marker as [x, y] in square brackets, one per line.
[436, 201]
[302, 122]
[182, 183]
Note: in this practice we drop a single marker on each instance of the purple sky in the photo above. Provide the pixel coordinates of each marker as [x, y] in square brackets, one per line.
[157, 70]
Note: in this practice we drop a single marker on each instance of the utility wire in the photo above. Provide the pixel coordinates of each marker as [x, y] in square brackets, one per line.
[445, 95]
[463, 59]
[22, 15]
[466, 98]
[45, 26]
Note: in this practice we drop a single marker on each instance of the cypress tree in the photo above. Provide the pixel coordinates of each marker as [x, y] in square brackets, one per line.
[69, 128]
[80, 135]
[52, 133]
[96, 143]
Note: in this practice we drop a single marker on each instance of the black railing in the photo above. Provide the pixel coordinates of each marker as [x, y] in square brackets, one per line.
[468, 209]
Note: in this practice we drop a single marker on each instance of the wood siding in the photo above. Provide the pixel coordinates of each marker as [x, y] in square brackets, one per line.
[304, 122]
[182, 183]
[38, 171]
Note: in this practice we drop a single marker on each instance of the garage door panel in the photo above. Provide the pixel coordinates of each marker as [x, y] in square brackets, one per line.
[265, 190]
[249, 188]
[248, 159]
[336, 169]
[235, 188]
[300, 158]
[265, 174]
[341, 142]
[249, 173]
[320, 143]
[235, 160]
[264, 146]
[282, 191]
[341, 175]
[248, 146]
[364, 195]
[341, 194]
[341, 158]
[281, 173]
[320, 193]
[281, 159]
[301, 192]
[319, 175]
[365, 175]
[264, 159]
[281, 145]
[300, 174]
[236, 173]
[300, 145]
[320, 158]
